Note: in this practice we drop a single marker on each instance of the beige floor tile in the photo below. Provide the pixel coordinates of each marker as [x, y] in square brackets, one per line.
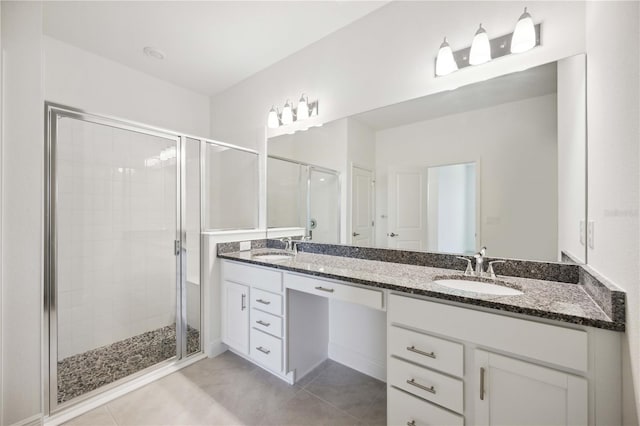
[97, 417]
[250, 395]
[307, 410]
[173, 400]
[347, 389]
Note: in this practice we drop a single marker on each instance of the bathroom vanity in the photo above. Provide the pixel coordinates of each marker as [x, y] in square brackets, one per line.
[548, 356]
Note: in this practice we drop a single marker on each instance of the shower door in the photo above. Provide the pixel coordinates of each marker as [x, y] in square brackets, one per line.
[323, 198]
[115, 252]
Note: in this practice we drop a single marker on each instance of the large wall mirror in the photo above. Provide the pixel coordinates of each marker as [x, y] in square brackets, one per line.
[499, 163]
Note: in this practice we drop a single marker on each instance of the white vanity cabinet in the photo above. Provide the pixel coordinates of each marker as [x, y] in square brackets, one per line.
[253, 314]
[490, 369]
[235, 316]
[511, 391]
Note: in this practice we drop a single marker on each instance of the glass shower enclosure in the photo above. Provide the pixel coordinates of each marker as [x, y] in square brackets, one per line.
[304, 196]
[122, 208]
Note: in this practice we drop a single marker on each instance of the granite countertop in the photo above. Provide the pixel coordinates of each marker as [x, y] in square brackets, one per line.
[559, 301]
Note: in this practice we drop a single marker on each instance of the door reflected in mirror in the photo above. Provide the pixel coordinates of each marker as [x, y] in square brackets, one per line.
[499, 163]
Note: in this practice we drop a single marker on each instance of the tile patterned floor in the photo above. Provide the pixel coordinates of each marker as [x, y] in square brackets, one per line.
[82, 373]
[228, 390]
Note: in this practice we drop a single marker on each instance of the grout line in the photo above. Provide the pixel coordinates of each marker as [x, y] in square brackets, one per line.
[110, 413]
[333, 406]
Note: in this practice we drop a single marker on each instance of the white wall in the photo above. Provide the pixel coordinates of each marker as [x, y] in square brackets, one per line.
[517, 164]
[22, 183]
[80, 79]
[572, 155]
[613, 163]
[38, 68]
[388, 57]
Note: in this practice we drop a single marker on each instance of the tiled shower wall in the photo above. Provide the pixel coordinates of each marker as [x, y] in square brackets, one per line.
[116, 226]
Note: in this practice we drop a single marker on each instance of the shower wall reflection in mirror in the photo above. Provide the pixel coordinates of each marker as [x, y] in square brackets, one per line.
[499, 163]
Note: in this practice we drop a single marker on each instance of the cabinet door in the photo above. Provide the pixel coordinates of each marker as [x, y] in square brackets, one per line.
[513, 392]
[235, 316]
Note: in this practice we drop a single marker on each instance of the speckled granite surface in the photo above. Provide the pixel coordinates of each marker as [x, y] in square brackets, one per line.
[561, 272]
[82, 373]
[549, 299]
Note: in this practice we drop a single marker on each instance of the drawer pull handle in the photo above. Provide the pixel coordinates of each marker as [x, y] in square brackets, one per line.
[264, 302]
[263, 350]
[481, 383]
[419, 352]
[243, 305]
[413, 382]
[266, 324]
[328, 290]
[411, 423]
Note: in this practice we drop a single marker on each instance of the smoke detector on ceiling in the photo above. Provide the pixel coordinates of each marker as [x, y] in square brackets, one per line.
[154, 53]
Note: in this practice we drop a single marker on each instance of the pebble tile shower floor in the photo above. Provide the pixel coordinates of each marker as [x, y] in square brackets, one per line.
[82, 373]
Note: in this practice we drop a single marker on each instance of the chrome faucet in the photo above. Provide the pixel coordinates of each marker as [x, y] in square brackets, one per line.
[480, 261]
[288, 243]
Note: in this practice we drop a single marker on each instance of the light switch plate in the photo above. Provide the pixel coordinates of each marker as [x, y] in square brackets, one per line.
[590, 233]
[582, 232]
[245, 245]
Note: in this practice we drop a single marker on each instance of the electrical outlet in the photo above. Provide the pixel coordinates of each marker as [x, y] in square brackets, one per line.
[582, 232]
[590, 233]
[245, 245]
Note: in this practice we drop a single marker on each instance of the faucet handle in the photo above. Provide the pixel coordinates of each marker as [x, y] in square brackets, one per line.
[469, 271]
[490, 270]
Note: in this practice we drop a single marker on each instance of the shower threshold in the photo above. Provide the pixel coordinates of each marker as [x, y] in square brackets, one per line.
[90, 370]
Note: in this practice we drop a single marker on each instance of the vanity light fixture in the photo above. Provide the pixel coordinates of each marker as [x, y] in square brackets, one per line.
[303, 108]
[480, 48]
[524, 36]
[445, 62]
[289, 114]
[273, 119]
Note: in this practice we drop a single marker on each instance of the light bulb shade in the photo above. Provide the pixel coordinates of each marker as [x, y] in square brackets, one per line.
[287, 114]
[480, 48]
[303, 108]
[445, 62]
[524, 36]
[272, 119]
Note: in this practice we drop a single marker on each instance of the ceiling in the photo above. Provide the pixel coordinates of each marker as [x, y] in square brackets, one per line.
[209, 45]
[537, 81]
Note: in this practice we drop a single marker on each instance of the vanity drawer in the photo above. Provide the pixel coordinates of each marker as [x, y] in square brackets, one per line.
[429, 351]
[266, 322]
[562, 346]
[266, 350]
[334, 290]
[266, 279]
[265, 301]
[404, 409]
[443, 390]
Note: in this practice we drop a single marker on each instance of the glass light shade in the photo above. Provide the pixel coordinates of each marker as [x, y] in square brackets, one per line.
[303, 108]
[524, 36]
[287, 114]
[480, 48]
[445, 62]
[272, 120]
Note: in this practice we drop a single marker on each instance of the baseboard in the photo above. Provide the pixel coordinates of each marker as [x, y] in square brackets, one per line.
[216, 348]
[110, 395]
[35, 420]
[357, 361]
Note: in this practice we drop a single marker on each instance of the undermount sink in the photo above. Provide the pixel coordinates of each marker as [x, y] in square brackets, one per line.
[273, 257]
[479, 287]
